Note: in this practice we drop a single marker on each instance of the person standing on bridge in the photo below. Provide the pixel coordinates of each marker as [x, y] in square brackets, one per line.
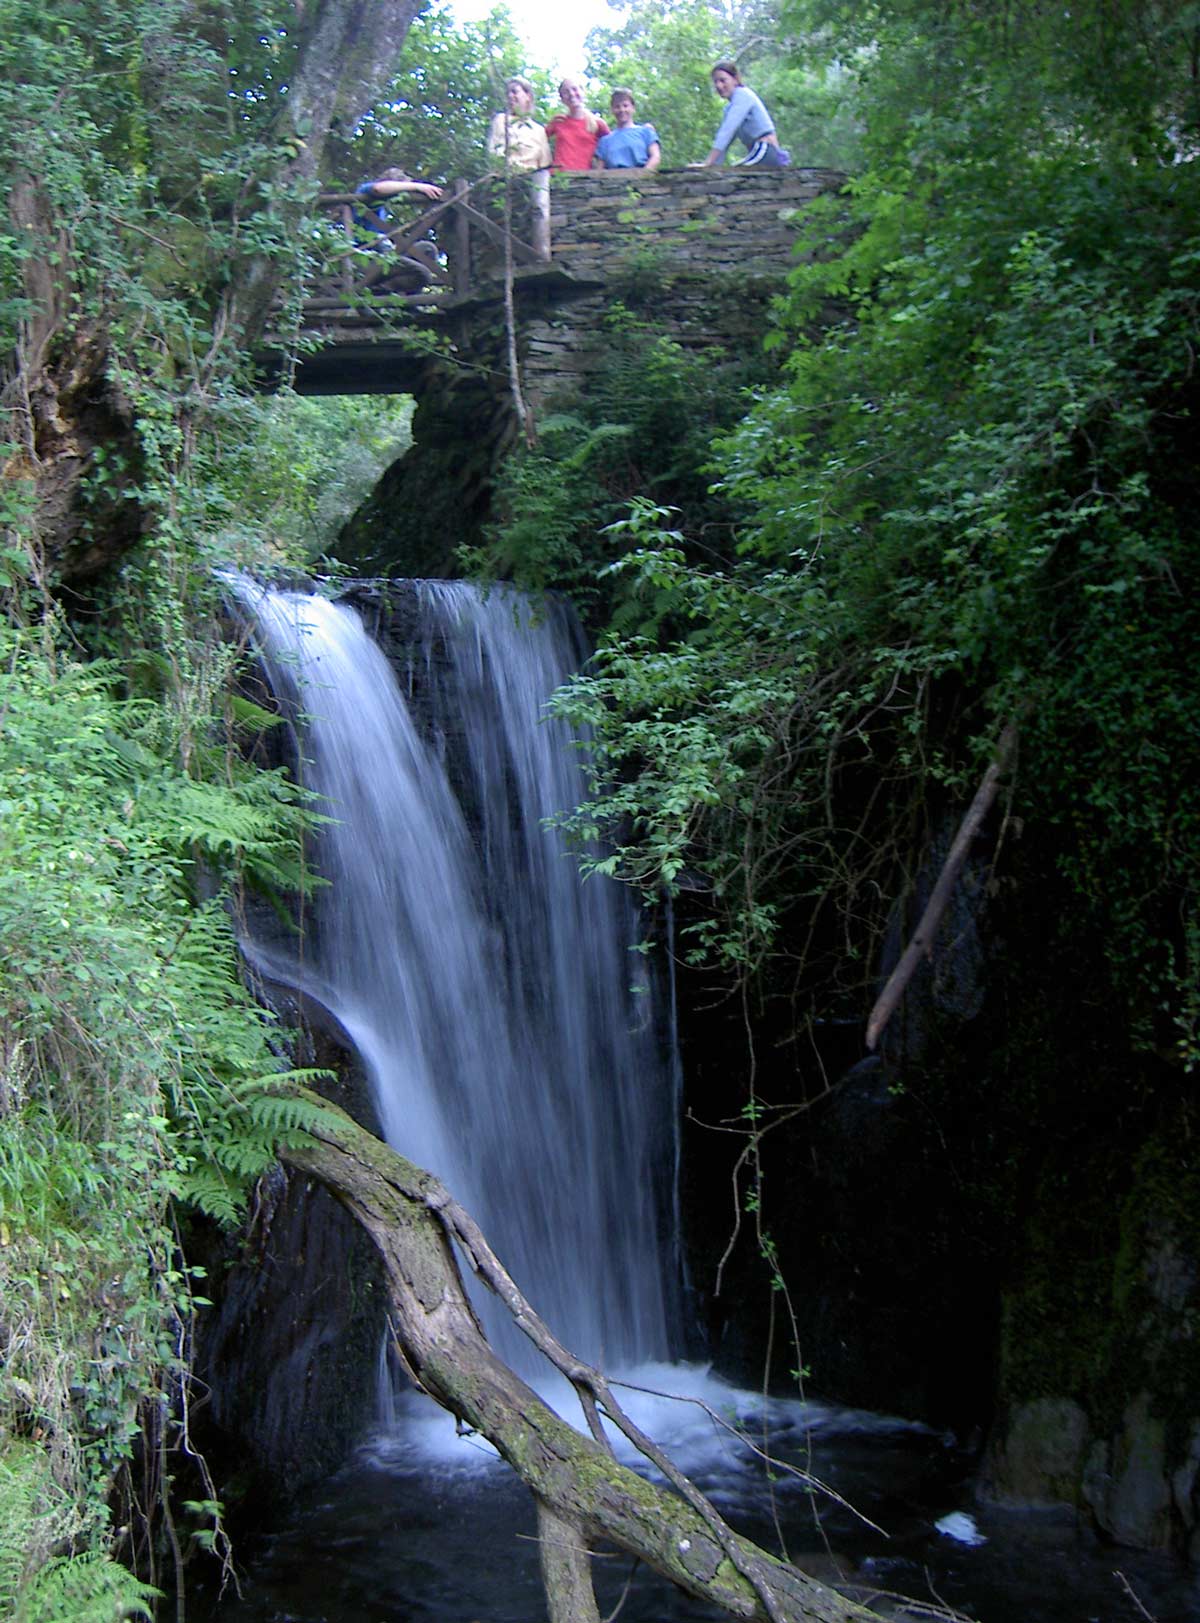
[746, 120]
[574, 136]
[629, 145]
[515, 135]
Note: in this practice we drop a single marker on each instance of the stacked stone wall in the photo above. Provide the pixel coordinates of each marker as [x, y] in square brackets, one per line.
[707, 223]
[700, 252]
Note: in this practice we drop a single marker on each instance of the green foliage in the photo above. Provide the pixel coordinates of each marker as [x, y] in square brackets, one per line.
[91, 106]
[641, 431]
[134, 1058]
[133, 1062]
[37, 1586]
[434, 119]
[664, 54]
[85, 1589]
[286, 471]
[136, 1073]
[968, 501]
[987, 460]
[718, 759]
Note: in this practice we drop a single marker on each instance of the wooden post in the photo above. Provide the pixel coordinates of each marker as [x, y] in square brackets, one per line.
[539, 209]
[461, 263]
[347, 215]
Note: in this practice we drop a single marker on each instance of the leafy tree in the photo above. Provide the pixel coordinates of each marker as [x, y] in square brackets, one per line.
[967, 504]
[663, 53]
[433, 117]
[286, 469]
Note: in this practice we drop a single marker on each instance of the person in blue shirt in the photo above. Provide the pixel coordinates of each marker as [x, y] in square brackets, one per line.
[746, 120]
[629, 145]
[372, 216]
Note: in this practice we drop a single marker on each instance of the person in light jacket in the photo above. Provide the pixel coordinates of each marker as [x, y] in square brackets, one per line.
[515, 136]
[746, 120]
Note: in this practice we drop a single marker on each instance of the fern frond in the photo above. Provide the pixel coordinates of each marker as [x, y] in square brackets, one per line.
[207, 1188]
[249, 714]
[288, 1113]
[305, 1076]
[85, 1589]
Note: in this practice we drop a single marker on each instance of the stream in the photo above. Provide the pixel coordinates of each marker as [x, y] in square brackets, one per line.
[422, 1526]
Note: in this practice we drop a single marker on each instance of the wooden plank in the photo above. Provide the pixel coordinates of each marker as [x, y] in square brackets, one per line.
[461, 262]
[521, 250]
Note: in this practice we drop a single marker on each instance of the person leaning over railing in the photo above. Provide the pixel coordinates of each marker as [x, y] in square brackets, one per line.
[629, 145]
[391, 183]
[515, 136]
[746, 120]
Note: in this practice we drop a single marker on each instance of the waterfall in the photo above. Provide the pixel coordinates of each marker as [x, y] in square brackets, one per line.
[508, 1026]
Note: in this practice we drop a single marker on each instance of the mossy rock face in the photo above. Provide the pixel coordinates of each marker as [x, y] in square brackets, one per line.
[437, 496]
[289, 1351]
[1039, 1458]
[1100, 1365]
[1127, 1483]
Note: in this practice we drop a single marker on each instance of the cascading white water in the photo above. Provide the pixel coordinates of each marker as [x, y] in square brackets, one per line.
[504, 1018]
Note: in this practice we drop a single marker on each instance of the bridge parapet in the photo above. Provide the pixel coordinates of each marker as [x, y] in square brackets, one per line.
[589, 228]
[702, 222]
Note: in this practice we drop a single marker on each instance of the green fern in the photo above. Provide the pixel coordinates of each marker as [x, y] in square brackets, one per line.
[38, 1584]
[133, 1059]
[84, 1589]
[24, 1479]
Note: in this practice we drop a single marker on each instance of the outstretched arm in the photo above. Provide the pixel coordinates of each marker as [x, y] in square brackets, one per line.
[393, 188]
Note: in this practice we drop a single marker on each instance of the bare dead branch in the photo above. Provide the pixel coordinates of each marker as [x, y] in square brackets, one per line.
[921, 945]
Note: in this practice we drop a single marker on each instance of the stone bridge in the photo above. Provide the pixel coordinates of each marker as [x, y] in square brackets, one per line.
[697, 252]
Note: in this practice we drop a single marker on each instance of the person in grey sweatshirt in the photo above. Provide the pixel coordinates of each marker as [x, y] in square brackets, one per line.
[746, 120]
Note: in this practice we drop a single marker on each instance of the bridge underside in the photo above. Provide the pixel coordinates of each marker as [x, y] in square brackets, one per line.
[362, 366]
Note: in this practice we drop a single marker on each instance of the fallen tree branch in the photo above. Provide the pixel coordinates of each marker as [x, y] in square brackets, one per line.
[582, 1491]
[921, 945]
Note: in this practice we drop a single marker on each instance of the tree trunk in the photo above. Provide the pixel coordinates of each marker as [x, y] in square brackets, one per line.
[63, 394]
[345, 59]
[582, 1491]
[348, 51]
[566, 1573]
[65, 405]
[921, 945]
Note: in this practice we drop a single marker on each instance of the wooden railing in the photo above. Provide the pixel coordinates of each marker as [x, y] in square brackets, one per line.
[453, 251]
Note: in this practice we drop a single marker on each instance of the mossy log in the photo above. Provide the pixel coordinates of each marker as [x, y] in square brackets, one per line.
[582, 1491]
